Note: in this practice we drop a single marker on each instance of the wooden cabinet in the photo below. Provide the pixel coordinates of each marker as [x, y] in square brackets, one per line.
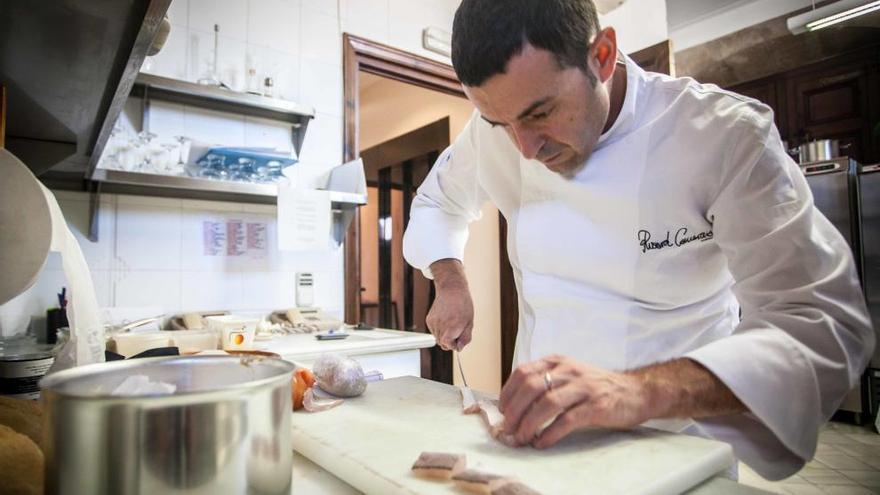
[832, 103]
[834, 99]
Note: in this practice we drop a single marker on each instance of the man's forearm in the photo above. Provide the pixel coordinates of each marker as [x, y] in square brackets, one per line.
[683, 388]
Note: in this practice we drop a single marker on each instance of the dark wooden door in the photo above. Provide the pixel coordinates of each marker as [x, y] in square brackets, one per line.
[402, 296]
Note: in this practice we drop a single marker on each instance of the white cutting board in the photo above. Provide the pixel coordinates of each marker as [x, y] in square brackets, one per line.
[371, 441]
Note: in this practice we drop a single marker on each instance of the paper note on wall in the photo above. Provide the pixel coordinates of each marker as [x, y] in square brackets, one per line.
[234, 237]
[257, 245]
[214, 237]
[236, 241]
[303, 219]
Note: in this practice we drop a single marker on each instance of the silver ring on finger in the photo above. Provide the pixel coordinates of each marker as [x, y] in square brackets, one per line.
[548, 381]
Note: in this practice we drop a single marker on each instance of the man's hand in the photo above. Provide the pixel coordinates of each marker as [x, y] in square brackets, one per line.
[575, 396]
[546, 400]
[451, 317]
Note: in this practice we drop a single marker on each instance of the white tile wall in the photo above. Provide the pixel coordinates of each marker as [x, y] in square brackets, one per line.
[275, 24]
[329, 7]
[320, 38]
[230, 15]
[149, 238]
[139, 288]
[321, 86]
[368, 18]
[150, 253]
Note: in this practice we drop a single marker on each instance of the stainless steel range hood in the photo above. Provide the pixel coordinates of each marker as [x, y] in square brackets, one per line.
[68, 67]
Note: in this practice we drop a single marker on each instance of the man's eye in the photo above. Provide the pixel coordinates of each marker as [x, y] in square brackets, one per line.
[539, 116]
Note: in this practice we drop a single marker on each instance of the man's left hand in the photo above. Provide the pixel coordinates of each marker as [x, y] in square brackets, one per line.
[566, 395]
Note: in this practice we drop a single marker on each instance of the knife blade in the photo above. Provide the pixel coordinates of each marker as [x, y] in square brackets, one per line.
[461, 369]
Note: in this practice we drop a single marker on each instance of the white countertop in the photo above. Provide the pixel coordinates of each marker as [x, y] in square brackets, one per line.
[305, 347]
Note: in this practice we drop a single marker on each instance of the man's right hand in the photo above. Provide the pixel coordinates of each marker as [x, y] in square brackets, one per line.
[451, 317]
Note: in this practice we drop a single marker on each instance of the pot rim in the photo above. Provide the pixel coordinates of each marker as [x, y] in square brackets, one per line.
[52, 384]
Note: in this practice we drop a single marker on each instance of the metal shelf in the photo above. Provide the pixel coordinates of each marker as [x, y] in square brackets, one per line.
[344, 204]
[204, 93]
[339, 199]
[149, 87]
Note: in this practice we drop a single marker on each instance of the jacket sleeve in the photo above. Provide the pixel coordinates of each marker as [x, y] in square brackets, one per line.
[805, 336]
[447, 201]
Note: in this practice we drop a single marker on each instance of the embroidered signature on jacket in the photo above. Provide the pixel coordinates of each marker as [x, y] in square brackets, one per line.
[681, 237]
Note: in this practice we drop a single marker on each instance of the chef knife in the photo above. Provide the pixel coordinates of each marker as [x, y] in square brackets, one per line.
[461, 369]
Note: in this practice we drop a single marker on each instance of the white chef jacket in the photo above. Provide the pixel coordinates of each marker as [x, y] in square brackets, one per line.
[688, 209]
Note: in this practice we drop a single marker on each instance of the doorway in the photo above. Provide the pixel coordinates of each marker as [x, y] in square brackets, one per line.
[401, 112]
[393, 294]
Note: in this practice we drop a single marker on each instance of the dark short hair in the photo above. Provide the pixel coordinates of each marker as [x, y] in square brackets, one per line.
[486, 34]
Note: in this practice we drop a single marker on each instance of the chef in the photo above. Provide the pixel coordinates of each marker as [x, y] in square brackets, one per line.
[668, 258]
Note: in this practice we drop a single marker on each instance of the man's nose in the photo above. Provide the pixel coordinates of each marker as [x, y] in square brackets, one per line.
[528, 141]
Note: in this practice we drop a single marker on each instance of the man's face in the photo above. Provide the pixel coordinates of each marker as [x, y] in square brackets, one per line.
[552, 114]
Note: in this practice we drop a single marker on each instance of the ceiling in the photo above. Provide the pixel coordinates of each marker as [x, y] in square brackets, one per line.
[367, 80]
[681, 12]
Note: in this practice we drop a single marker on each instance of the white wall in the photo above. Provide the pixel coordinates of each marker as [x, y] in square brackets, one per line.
[691, 31]
[150, 254]
[638, 24]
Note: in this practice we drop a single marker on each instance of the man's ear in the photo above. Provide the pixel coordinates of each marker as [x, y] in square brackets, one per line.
[603, 53]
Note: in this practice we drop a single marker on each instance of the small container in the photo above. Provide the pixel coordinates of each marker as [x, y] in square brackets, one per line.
[236, 332]
[236, 339]
[22, 368]
[268, 87]
[193, 341]
[131, 344]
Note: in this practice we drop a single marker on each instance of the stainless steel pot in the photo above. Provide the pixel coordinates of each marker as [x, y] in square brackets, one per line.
[226, 429]
[819, 150]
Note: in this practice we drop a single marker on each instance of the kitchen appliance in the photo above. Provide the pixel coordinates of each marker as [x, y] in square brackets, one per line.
[869, 195]
[225, 429]
[305, 289]
[835, 187]
[834, 184]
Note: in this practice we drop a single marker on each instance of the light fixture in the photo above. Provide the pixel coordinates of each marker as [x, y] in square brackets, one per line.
[437, 40]
[830, 15]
